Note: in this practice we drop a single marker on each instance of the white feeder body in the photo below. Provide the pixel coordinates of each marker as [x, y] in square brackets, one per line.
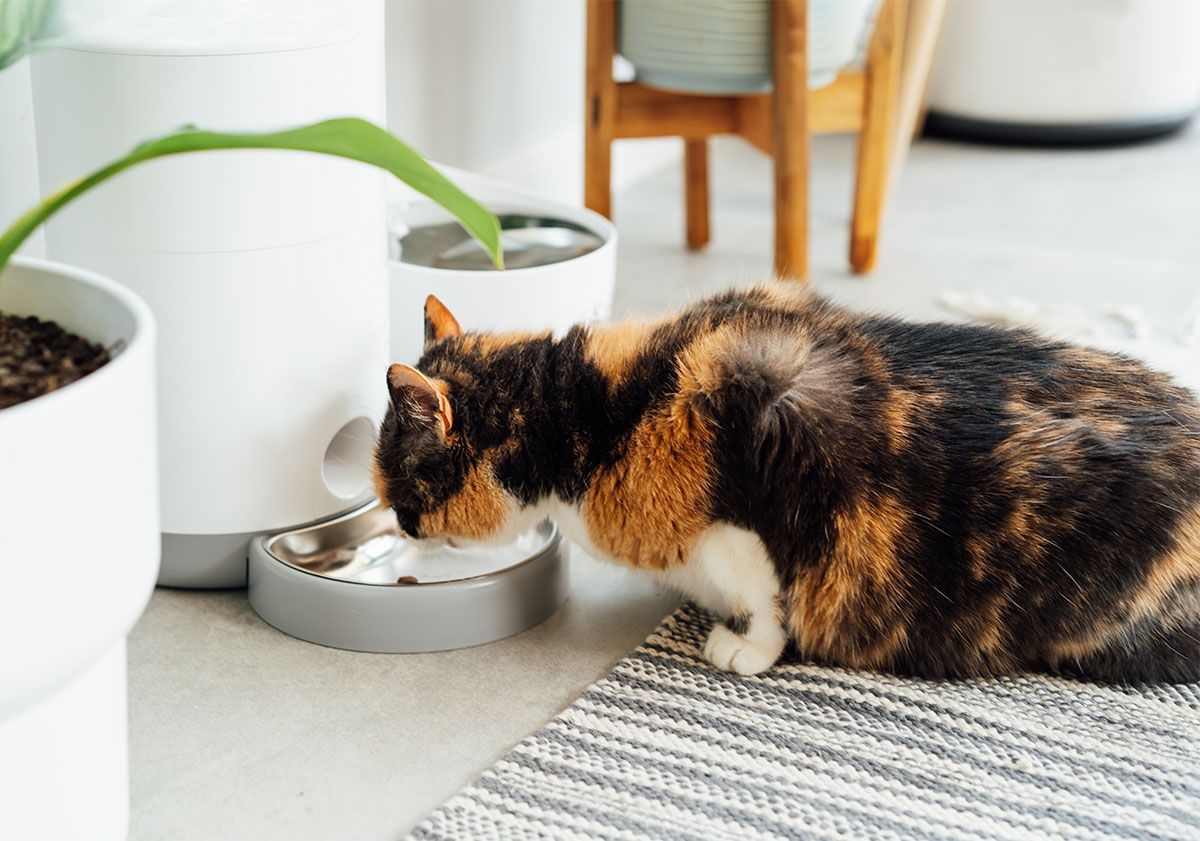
[266, 269]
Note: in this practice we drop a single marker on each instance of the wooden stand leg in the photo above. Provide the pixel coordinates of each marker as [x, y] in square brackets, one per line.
[789, 107]
[695, 167]
[599, 123]
[875, 140]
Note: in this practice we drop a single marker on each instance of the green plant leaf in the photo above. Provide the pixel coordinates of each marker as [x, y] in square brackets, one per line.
[347, 137]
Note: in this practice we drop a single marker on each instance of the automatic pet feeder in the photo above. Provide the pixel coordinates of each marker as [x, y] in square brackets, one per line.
[266, 270]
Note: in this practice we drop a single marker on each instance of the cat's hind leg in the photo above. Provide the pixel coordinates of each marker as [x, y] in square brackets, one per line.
[735, 563]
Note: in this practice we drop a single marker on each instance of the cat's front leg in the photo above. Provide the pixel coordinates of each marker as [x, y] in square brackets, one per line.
[736, 564]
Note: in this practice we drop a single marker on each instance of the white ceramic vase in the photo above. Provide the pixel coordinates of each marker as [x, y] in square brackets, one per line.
[79, 552]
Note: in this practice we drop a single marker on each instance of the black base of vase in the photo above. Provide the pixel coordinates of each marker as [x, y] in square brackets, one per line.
[948, 126]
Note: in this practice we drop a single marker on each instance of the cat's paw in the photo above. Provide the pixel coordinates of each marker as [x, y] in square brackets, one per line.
[732, 652]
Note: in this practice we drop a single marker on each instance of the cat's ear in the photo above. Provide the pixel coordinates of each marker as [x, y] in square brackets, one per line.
[440, 323]
[417, 399]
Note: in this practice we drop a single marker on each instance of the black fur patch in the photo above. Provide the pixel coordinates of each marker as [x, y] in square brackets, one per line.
[739, 623]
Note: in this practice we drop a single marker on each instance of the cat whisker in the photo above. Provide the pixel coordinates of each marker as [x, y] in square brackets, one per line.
[1074, 580]
[1163, 641]
[940, 592]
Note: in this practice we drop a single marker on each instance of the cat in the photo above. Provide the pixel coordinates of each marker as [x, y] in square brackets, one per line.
[938, 500]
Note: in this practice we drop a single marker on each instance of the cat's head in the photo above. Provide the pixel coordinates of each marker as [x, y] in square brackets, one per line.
[440, 483]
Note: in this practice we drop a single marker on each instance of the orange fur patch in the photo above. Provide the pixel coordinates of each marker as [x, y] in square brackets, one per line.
[827, 599]
[614, 348]
[442, 320]
[979, 554]
[903, 413]
[1178, 565]
[988, 632]
[485, 344]
[1080, 647]
[476, 512]
[700, 364]
[380, 483]
[785, 295]
[649, 508]
[1039, 447]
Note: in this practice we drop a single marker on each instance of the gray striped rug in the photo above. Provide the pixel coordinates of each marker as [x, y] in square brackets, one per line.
[667, 747]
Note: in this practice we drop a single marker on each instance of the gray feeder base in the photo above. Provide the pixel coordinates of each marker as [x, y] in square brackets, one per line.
[213, 561]
[204, 561]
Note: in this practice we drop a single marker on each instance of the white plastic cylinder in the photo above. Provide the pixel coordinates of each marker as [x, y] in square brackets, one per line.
[266, 269]
[1068, 62]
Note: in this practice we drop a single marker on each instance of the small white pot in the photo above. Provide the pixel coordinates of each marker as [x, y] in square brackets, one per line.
[724, 46]
[79, 551]
[552, 297]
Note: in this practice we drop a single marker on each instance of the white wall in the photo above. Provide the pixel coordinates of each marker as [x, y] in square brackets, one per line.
[18, 152]
[494, 86]
[497, 87]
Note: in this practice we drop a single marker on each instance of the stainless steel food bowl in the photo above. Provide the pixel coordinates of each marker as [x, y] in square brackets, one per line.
[355, 582]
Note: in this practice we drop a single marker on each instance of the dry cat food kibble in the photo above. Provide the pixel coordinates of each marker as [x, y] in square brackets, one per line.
[407, 579]
[37, 357]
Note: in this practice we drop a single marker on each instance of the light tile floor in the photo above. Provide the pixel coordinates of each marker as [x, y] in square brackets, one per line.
[240, 732]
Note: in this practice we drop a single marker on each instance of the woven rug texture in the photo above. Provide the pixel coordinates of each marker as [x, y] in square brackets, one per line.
[667, 747]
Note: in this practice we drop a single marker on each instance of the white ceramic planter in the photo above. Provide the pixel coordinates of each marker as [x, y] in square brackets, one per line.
[552, 297]
[79, 551]
[724, 46]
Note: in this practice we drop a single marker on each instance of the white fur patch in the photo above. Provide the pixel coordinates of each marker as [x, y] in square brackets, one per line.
[728, 571]
[738, 567]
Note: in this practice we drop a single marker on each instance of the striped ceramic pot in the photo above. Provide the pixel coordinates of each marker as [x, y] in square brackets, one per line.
[724, 46]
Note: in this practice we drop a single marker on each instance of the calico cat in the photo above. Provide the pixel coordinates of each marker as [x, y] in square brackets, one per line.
[930, 499]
